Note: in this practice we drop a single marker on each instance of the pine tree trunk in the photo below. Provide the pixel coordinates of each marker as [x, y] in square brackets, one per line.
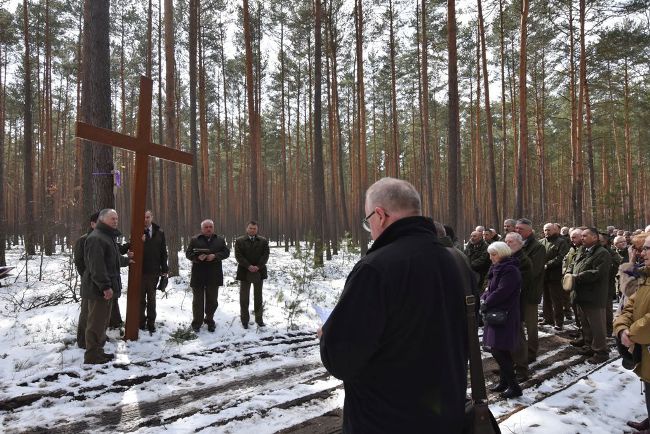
[361, 126]
[426, 129]
[29, 145]
[492, 175]
[318, 177]
[173, 240]
[193, 36]
[252, 118]
[453, 139]
[585, 92]
[3, 192]
[395, 148]
[521, 205]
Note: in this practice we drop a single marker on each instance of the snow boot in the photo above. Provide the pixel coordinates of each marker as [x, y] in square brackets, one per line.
[639, 426]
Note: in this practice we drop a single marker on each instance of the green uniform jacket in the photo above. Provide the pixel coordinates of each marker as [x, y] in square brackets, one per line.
[537, 255]
[248, 253]
[636, 318]
[556, 248]
[592, 277]
[570, 259]
[479, 259]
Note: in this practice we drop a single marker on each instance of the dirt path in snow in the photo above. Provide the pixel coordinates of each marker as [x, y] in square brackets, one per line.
[556, 359]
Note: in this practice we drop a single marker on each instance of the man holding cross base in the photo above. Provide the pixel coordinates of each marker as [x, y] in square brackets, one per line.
[101, 283]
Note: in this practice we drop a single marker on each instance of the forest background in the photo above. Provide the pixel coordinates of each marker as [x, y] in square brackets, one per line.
[293, 108]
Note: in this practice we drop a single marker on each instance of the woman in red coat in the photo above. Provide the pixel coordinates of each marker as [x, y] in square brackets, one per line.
[502, 295]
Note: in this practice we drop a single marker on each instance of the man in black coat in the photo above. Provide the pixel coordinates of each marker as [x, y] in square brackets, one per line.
[101, 284]
[397, 335]
[154, 266]
[206, 251]
[252, 253]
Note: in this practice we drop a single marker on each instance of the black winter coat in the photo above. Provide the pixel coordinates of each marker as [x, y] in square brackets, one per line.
[78, 253]
[398, 336]
[249, 253]
[103, 261]
[204, 273]
[154, 259]
[537, 255]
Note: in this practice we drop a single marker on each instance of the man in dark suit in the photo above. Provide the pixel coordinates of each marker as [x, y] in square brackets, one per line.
[252, 253]
[206, 251]
[154, 266]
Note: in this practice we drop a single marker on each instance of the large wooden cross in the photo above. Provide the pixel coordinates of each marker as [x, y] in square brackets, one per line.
[143, 148]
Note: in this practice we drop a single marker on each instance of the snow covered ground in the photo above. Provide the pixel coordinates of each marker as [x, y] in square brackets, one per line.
[233, 380]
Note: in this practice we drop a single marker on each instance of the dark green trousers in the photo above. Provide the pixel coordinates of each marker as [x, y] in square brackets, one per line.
[99, 311]
[244, 297]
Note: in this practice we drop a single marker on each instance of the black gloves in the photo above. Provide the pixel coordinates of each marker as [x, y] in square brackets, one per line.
[162, 283]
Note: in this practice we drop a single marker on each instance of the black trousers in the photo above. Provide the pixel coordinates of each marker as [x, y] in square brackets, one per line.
[506, 366]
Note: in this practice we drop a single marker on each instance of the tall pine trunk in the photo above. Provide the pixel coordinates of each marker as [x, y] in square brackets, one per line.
[173, 240]
[492, 176]
[521, 205]
[453, 134]
[28, 167]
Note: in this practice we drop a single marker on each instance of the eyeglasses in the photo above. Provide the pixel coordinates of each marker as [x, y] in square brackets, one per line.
[645, 248]
[365, 224]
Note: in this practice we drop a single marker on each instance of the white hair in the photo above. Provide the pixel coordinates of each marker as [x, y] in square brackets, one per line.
[104, 213]
[394, 195]
[206, 221]
[516, 236]
[500, 248]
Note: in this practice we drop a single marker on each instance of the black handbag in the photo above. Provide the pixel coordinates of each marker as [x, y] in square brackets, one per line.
[495, 317]
[478, 417]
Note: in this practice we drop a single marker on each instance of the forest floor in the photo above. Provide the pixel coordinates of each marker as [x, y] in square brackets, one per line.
[260, 380]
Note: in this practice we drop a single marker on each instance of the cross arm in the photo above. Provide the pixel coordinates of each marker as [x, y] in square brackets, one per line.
[111, 138]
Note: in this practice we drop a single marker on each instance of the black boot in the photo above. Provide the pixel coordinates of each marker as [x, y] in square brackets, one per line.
[639, 426]
[513, 391]
[500, 386]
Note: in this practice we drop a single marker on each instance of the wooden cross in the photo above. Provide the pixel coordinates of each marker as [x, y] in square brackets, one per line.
[143, 148]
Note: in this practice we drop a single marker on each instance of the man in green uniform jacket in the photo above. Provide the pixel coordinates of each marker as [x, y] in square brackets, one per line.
[252, 254]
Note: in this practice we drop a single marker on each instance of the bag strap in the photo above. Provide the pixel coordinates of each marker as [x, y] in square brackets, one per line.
[468, 280]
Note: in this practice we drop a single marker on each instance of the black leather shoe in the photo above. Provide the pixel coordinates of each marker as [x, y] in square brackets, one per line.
[245, 325]
[512, 392]
[196, 329]
[639, 426]
[500, 387]
[261, 324]
[109, 356]
[577, 342]
[211, 328]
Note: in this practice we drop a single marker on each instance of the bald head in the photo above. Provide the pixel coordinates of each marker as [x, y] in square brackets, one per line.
[396, 196]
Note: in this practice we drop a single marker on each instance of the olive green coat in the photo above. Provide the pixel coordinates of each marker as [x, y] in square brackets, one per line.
[592, 277]
[556, 248]
[249, 253]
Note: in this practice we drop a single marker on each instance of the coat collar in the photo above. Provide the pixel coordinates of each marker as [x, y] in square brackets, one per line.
[103, 227]
[416, 225]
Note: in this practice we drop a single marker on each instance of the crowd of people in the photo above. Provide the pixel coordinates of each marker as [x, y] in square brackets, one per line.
[574, 273]
[398, 334]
